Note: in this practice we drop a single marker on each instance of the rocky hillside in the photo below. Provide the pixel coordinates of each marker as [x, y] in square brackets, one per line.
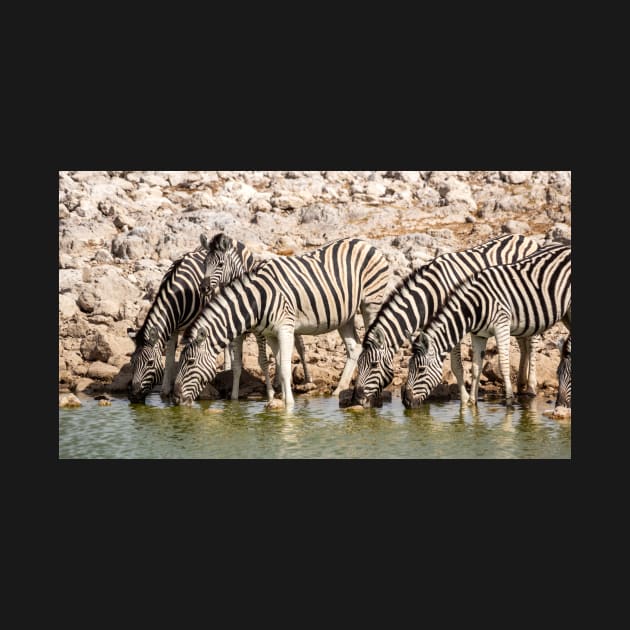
[119, 231]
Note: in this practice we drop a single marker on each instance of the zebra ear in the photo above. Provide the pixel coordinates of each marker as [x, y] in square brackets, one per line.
[131, 333]
[205, 243]
[421, 343]
[223, 242]
[379, 339]
[201, 335]
[153, 335]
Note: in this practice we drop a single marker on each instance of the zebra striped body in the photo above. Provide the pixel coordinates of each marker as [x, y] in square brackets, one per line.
[417, 298]
[522, 299]
[225, 261]
[176, 305]
[564, 375]
[311, 294]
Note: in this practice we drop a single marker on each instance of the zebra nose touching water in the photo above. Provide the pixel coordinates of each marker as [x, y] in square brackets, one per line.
[176, 304]
[523, 299]
[414, 302]
[226, 260]
[311, 294]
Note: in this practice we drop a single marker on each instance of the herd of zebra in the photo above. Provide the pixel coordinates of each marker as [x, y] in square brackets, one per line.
[507, 286]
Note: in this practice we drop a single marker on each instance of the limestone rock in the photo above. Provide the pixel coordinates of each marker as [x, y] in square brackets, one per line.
[102, 371]
[69, 400]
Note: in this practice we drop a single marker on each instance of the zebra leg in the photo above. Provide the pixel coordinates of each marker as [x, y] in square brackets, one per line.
[237, 365]
[285, 343]
[264, 364]
[168, 380]
[478, 351]
[502, 335]
[228, 353]
[299, 346]
[527, 381]
[458, 370]
[275, 349]
[353, 348]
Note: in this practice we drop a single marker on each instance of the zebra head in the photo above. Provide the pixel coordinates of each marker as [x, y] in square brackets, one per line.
[223, 263]
[564, 374]
[375, 368]
[425, 371]
[146, 364]
[197, 366]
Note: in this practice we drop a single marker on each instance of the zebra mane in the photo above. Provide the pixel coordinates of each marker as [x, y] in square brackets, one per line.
[401, 284]
[175, 265]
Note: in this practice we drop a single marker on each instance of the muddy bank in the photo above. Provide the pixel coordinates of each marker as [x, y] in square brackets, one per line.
[119, 231]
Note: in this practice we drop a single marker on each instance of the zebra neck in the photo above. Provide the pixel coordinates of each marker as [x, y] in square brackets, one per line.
[246, 257]
[451, 324]
[231, 312]
[399, 319]
[163, 327]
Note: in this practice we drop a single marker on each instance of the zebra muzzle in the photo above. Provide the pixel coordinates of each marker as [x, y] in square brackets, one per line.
[408, 398]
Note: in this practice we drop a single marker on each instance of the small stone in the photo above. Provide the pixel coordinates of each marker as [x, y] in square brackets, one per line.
[69, 400]
[516, 177]
[104, 403]
[276, 403]
[515, 227]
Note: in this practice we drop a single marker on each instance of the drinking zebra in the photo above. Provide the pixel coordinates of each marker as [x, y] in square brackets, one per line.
[417, 298]
[177, 303]
[522, 299]
[310, 294]
[564, 374]
[226, 260]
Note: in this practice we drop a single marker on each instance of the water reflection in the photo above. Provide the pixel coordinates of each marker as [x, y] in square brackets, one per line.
[315, 428]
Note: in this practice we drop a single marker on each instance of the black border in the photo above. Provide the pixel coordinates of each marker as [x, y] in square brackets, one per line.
[338, 136]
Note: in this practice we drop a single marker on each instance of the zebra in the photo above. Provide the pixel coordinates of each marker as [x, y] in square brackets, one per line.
[412, 304]
[177, 303]
[310, 294]
[522, 299]
[226, 260]
[564, 374]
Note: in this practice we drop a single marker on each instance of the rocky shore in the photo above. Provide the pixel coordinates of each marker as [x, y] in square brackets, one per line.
[119, 232]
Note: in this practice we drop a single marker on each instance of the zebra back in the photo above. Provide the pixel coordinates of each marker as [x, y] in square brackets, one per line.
[416, 298]
[534, 292]
[319, 290]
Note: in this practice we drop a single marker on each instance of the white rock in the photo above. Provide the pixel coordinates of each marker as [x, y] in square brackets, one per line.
[515, 227]
[454, 190]
[102, 371]
[516, 177]
[69, 400]
[376, 189]
[561, 232]
[67, 306]
[259, 205]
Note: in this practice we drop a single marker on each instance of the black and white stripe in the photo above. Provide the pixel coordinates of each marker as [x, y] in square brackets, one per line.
[564, 374]
[417, 298]
[177, 303]
[522, 299]
[226, 260]
[311, 294]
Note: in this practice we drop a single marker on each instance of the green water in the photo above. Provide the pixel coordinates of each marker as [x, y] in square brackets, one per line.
[316, 428]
